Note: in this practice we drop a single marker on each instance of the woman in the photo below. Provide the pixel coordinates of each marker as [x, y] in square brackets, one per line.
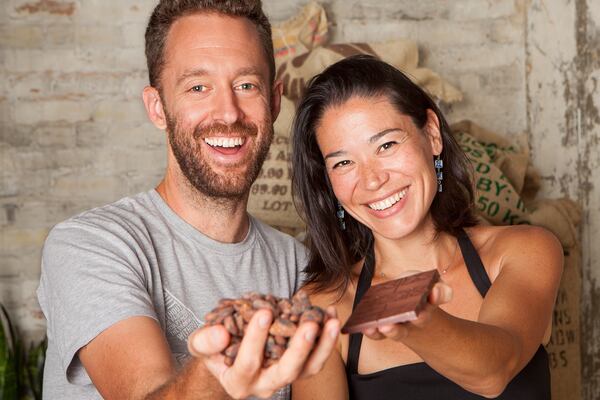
[385, 191]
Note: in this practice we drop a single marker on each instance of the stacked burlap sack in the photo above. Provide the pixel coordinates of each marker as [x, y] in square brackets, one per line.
[505, 182]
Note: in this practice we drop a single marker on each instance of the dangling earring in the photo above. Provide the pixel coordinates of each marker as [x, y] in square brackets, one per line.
[439, 164]
[340, 215]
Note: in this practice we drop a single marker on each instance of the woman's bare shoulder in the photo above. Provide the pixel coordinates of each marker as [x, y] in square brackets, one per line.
[516, 237]
[502, 246]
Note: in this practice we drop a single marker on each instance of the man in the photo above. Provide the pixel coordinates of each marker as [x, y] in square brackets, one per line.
[123, 286]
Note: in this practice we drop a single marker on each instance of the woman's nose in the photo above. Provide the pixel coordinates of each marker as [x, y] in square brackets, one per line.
[373, 177]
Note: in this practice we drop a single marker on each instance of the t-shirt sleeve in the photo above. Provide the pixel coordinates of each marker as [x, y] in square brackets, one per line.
[91, 279]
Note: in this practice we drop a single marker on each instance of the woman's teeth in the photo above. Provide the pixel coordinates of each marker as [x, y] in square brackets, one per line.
[387, 203]
[224, 142]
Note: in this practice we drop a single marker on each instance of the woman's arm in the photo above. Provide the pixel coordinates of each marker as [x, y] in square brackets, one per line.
[483, 356]
[330, 383]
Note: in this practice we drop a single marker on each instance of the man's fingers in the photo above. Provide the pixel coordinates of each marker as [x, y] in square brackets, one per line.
[248, 361]
[208, 340]
[291, 364]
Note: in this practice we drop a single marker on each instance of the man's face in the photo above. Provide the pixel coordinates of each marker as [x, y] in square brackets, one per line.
[216, 97]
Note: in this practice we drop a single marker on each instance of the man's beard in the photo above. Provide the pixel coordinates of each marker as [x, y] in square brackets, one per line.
[186, 147]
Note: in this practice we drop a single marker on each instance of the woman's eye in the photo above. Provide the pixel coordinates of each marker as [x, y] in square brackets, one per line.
[198, 88]
[341, 164]
[386, 146]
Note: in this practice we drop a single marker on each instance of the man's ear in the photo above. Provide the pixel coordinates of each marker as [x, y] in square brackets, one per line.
[434, 133]
[276, 93]
[154, 107]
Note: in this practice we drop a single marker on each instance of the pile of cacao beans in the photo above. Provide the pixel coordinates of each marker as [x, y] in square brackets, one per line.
[234, 315]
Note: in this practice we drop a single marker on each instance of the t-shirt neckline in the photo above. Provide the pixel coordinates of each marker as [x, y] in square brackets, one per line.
[194, 234]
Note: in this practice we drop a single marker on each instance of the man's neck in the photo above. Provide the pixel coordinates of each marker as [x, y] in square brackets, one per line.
[223, 220]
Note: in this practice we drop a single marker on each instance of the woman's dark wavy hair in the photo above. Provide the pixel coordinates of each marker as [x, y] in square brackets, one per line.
[333, 251]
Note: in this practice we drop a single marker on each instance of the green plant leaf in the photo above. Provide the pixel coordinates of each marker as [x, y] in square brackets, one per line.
[8, 372]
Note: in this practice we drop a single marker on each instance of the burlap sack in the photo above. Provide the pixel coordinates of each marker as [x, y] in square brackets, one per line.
[403, 54]
[271, 194]
[300, 33]
[561, 217]
[496, 199]
[512, 158]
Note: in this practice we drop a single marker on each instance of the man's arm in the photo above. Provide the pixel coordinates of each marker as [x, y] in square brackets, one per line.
[132, 360]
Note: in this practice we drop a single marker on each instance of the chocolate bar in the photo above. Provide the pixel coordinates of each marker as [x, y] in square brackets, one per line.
[400, 300]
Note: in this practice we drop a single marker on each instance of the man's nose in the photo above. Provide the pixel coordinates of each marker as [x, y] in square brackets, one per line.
[226, 108]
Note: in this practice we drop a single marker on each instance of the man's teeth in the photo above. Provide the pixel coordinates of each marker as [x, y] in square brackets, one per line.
[224, 142]
[387, 203]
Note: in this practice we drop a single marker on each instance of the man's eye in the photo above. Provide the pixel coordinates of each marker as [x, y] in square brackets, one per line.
[247, 86]
[198, 88]
[386, 146]
[341, 164]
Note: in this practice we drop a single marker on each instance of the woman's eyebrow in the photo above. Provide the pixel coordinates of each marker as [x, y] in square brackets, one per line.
[381, 134]
[335, 154]
[372, 139]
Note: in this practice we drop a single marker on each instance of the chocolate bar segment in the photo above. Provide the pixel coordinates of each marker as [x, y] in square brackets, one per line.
[400, 300]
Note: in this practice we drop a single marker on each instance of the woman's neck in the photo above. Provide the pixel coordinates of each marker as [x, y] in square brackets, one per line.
[422, 250]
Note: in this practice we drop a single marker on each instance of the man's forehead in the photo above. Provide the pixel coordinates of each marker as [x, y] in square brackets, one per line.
[212, 31]
[211, 38]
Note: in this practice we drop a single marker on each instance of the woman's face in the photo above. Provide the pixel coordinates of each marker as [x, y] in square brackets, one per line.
[380, 164]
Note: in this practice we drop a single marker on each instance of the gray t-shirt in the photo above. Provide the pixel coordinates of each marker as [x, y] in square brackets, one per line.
[136, 257]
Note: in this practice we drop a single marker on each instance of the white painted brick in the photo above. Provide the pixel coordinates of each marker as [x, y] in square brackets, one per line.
[55, 136]
[34, 112]
[4, 109]
[133, 35]
[139, 135]
[14, 239]
[36, 10]
[119, 110]
[75, 186]
[21, 60]
[91, 134]
[91, 83]
[59, 36]
[21, 36]
[134, 84]
[105, 37]
[101, 11]
[29, 84]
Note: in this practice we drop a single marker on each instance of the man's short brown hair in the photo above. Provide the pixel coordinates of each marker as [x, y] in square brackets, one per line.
[169, 11]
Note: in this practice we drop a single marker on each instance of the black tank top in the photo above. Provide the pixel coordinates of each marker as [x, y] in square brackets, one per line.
[419, 381]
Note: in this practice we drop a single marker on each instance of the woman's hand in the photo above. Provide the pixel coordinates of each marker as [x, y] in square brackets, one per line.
[441, 293]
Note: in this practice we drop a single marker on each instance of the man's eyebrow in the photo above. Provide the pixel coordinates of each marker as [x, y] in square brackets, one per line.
[381, 134]
[198, 72]
[191, 73]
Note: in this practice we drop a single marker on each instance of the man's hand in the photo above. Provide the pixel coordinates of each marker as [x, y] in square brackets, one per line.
[305, 355]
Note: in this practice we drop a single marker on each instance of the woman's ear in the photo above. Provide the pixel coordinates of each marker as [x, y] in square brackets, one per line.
[434, 133]
[154, 107]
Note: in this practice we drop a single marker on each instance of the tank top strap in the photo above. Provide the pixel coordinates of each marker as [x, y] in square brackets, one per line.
[364, 283]
[475, 267]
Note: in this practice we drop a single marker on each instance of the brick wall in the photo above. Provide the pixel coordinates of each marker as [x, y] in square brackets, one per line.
[74, 135]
